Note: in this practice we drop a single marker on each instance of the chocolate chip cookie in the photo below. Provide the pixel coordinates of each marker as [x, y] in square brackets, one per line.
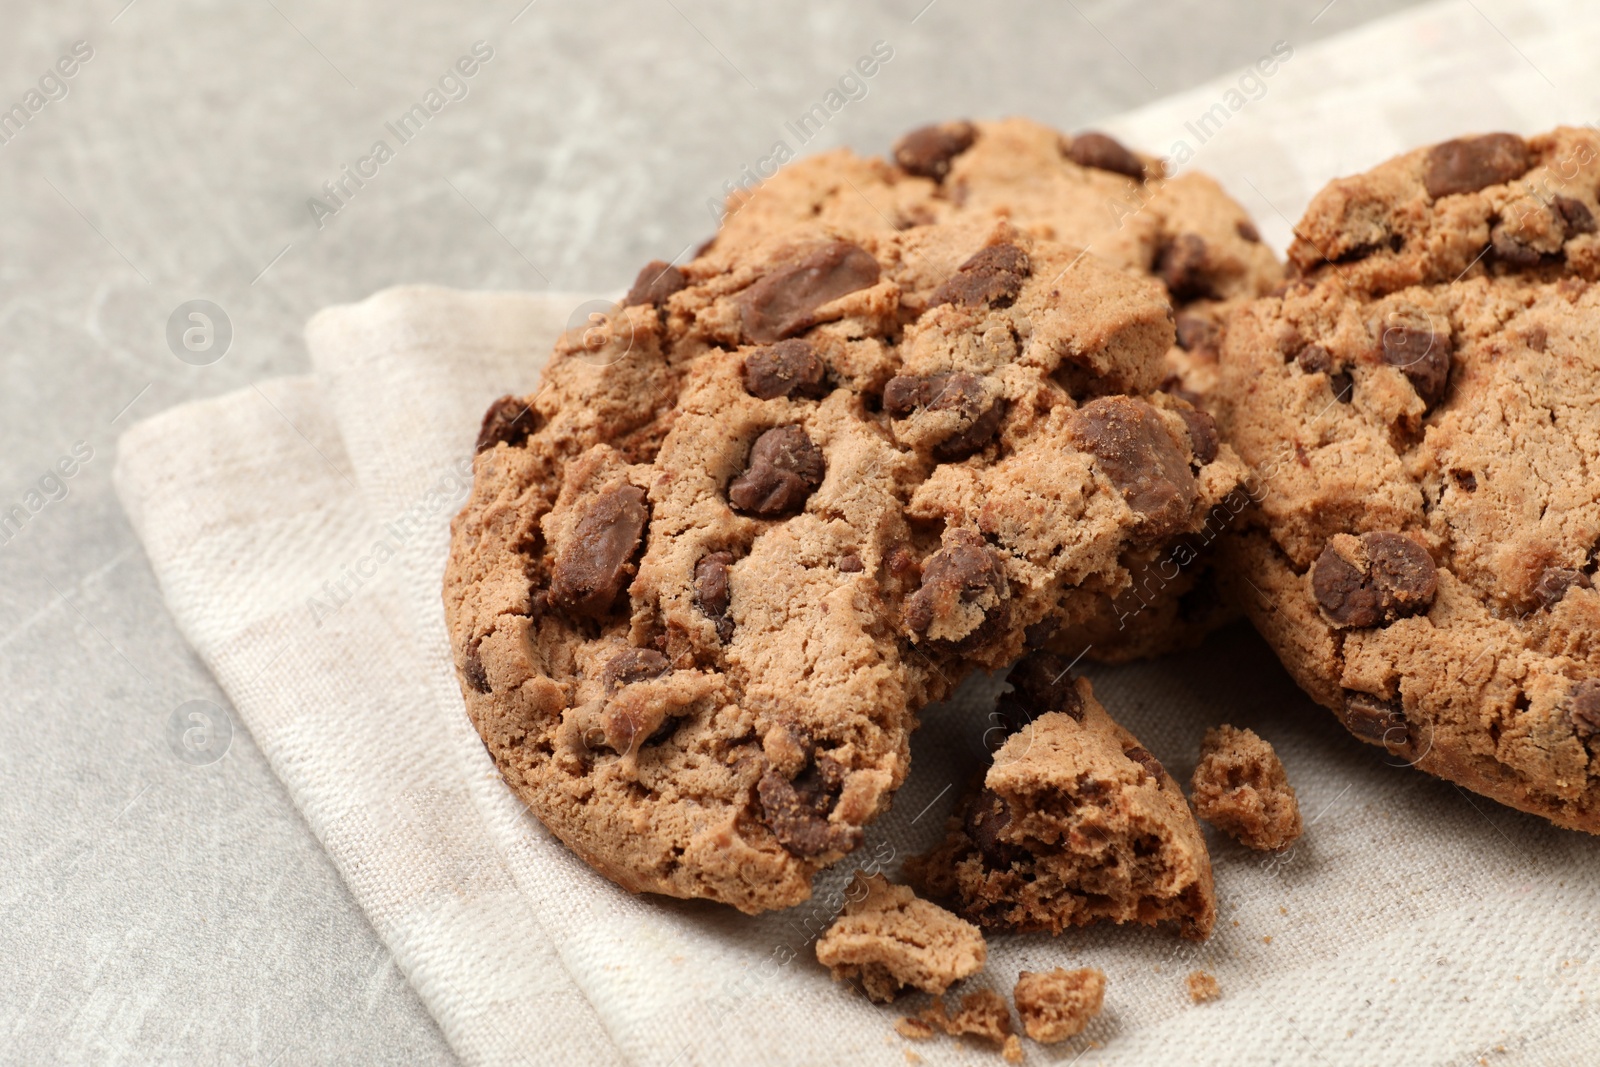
[1421, 407]
[1074, 823]
[791, 493]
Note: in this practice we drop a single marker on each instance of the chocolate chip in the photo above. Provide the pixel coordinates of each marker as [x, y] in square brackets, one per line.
[797, 813]
[782, 302]
[1143, 758]
[655, 283]
[1377, 578]
[1105, 153]
[1423, 356]
[1468, 164]
[1135, 451]
[1203, 437]
[1041, 682]
[1247, 230]
[1375, 719]
[472, 667]
[1510, 238]
[1556, 582]
[711, 592]
[927, 151]
[1509, 247]
[1009, 715]
[1039, 634]
[1355, 253]
[509, 420]
[964, 571]
[1575, 214]
[1536, 337]
[591, 571]
[850, 563]
[633, 665]
[1465, 480]
[991, 276]
[789, 368]
[1343, 386]
[1198, 333]
[1182, 267]
[958, 391]
[1203, 604]
[1314, 359]
[985, 819]
[1583, 708]
[783, 471]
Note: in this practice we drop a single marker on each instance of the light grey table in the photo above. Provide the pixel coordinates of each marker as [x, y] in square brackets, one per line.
[157, 909]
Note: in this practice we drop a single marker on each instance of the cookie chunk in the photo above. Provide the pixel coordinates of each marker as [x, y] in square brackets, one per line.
[1074, 823]
[1240, 787]
[1423, 553]
[712, 569]
[1055, 1005]
[889, 940]
[1092, 193]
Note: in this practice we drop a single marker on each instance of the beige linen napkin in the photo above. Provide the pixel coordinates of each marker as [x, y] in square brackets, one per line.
[299, 531]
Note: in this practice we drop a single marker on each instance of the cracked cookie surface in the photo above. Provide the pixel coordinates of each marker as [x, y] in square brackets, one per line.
[1424, 415]
[1090, 192]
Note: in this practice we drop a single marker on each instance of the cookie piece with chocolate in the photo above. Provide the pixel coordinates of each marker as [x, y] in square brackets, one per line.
[1419, 410]
[1074, 823]
[1479, 206]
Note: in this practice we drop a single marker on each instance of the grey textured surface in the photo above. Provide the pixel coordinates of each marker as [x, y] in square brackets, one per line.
[161, 911]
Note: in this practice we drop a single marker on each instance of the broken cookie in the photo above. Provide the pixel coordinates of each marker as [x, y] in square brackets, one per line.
[1074, 823]
[888, 939]
[699, 594]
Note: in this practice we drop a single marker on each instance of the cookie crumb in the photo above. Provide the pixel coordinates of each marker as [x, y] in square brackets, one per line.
[1055, 1005]
[983, 1014]
[912, 1057]
[1011, 1051]
[1266, 939]
[890, 939]
[1202, 986]
[1240, 787]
